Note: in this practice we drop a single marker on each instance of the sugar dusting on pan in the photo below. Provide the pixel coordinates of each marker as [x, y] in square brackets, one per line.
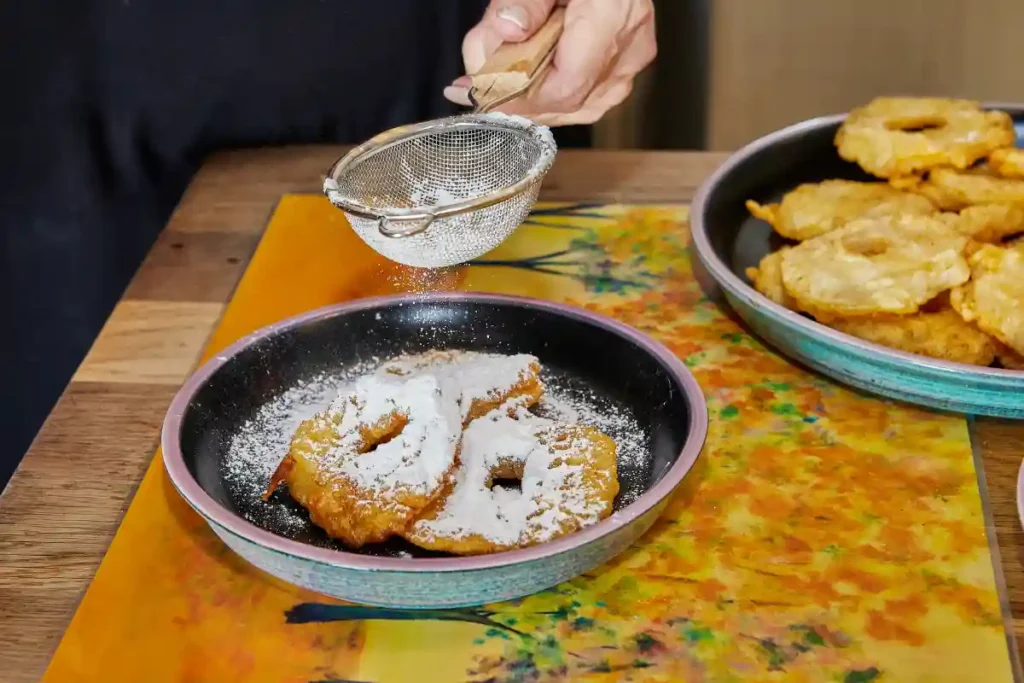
[257, 448]
[262, 442]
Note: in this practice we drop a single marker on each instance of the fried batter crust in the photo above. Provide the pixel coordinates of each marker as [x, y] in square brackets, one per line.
[953, 190]
[813, 209]
[994, 298]
[943, 335]
[899, 136]
[596, 459]
[883, 265]
[1008, 162]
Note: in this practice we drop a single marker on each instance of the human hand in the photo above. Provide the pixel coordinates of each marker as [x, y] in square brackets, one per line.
[604, 45]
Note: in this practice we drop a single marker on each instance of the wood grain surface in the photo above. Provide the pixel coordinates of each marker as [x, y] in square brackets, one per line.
[64, 504]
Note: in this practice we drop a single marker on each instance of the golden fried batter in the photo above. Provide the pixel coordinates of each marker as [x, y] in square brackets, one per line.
[1009, 359]
[878, 265]
[944, 335]
[994, 298]
[1007, 162]
[989, 222]
[939, 275]
[917, 184]
[767, 279]
[568, 480]
[482, 381]
[419, 445]
[899, 136]
[375, 459]
[814, 209]
[953, 190]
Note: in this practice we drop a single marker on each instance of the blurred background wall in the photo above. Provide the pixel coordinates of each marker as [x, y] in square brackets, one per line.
[729, 71]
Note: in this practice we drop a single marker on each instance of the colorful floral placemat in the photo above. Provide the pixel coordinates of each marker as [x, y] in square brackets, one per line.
[825, 536]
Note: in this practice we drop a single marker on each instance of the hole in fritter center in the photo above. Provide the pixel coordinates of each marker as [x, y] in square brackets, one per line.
[915, 124]
[508, 484]
[507, 475]
[866, 246]
[376, 436]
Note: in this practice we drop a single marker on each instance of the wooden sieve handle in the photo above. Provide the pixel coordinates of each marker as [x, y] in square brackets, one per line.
[514, 67]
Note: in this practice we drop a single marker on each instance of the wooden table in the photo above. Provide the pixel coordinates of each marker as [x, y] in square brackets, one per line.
[66, 500]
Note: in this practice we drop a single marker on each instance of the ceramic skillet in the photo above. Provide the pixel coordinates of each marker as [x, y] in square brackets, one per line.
[613, 362]
[727, 240]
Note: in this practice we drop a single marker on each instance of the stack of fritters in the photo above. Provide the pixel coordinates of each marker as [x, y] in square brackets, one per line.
[929, 258]
[414, 450]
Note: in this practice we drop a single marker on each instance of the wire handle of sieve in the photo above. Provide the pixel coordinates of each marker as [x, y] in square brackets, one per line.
[406, 226]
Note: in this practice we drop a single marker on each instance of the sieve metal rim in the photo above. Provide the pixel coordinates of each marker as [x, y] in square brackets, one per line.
[394, 136]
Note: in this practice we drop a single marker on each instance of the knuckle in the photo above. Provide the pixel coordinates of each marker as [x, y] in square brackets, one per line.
[564, 106]
[573, 100]
[587, 117]
[649, 53]
[646, 10]
[561, 96]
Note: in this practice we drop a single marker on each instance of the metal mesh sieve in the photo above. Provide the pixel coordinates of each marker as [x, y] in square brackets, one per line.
[443, 192]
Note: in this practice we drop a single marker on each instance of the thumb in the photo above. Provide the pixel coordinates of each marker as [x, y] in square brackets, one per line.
[506, 21]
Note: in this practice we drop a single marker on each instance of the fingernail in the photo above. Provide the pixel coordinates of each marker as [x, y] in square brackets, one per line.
[516, 15]
[457, 95]
[462, 82]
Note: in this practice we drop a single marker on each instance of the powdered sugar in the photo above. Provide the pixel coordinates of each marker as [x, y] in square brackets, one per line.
[429, 193]
[570, 401]
[259, 446]
[555, 495]
[417, 458]
[472, 377]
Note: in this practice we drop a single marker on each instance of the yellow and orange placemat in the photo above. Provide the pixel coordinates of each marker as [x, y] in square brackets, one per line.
[827, 535]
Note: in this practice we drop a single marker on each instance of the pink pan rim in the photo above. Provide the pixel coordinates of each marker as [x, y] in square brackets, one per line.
[216, 513]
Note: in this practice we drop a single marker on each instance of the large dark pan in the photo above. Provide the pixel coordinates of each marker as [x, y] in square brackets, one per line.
[728, 240]
[618, 364]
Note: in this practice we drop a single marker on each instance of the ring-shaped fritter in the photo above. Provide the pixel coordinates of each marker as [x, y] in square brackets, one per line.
[899, 136]
[952, 190]
[813, 209]
[567, 480]
[376, 458]
[878, 265]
